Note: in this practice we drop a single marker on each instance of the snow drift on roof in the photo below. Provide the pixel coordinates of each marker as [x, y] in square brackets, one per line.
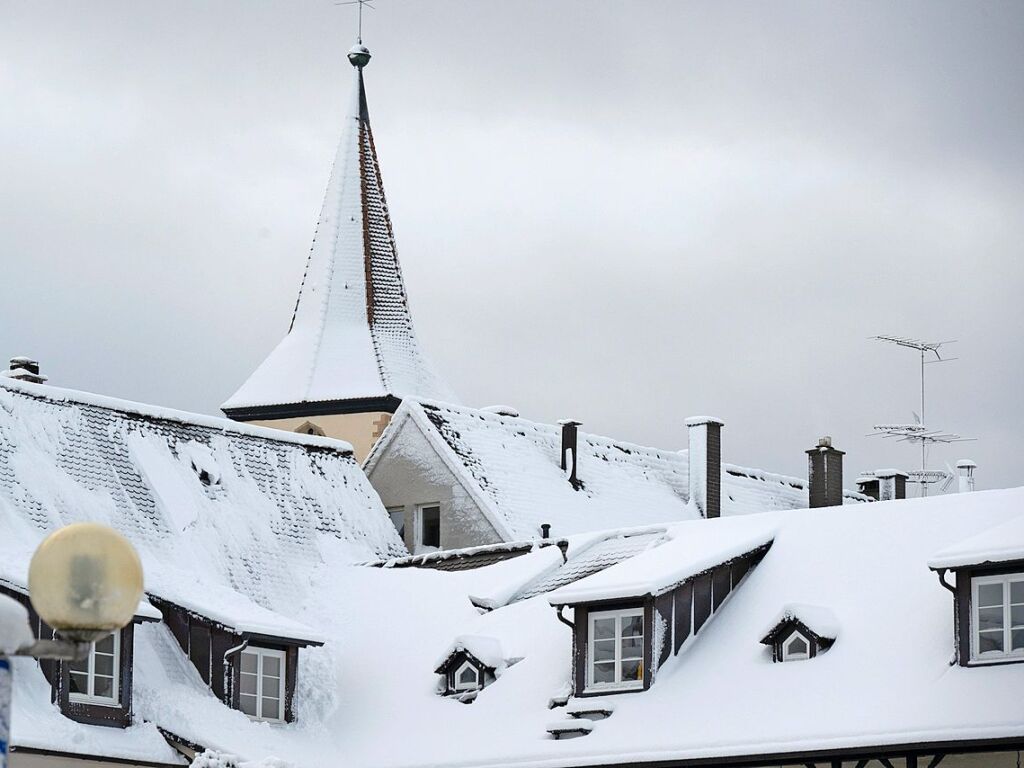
[819, 619]
[998, 544]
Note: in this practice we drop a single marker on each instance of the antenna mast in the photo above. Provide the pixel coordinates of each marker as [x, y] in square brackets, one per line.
[360, 3]
[918, 432]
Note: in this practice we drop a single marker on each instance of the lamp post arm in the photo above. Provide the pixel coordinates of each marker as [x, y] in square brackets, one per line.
[64, 650]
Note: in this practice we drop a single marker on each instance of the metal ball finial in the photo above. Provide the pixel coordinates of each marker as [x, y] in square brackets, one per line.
[359, 55]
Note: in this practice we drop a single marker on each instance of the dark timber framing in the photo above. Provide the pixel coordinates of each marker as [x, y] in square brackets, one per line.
[451, 665]
[782, 631]
[683, 609]
[962, 606]
[382, 404]
[214, 651]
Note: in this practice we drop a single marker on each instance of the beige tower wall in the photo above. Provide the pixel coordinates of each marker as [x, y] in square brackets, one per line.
[360, 429]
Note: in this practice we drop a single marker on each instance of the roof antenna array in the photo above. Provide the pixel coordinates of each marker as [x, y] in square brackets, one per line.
[918, 432]
[360, 3]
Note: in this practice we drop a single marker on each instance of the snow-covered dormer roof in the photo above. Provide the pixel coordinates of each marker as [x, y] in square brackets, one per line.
[351, 337]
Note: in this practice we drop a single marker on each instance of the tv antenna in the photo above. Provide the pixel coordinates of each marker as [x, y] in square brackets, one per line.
[360, 3]
[918, 432]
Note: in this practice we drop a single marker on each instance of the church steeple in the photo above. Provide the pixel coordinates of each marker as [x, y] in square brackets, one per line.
[350, 348]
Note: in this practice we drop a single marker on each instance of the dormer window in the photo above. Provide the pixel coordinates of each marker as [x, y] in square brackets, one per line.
[998, 617]
[261, 680]
[796, 647]
[800, 632]
[94, 679]
[615, 657]
[471, 663]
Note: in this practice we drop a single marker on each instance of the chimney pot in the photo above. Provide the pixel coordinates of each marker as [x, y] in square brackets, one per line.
[705, 464]
[824, 475]
[570, 438]
[545, 530]
[25, 369]
[965, 472]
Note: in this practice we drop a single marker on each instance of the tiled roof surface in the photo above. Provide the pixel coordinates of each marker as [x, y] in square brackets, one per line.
[351, 335]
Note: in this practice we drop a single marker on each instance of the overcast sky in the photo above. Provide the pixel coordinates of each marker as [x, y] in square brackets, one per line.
[622, 212]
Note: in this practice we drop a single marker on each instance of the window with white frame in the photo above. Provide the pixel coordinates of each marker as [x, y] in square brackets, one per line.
[94, 679]
[261, 683]
[615, 652]
[796, 647]
[467, 677]
[397, 515]
[998, 617]
[428, 527]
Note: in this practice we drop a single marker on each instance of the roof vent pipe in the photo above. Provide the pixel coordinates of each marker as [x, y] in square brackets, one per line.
[569, 450]
[545, 530]
[704, 436]
[965, 472]
[825, 475]
[25, 369]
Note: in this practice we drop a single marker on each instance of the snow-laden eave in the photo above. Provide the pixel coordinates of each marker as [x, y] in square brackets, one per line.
[158, 413]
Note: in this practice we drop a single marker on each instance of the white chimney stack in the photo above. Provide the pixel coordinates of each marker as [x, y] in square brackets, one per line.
[965, 472]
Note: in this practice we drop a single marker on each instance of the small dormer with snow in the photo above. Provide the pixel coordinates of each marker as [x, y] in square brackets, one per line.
[801, 632]
[988, 594]
[247, 654]
[470, 664]
[629, 619]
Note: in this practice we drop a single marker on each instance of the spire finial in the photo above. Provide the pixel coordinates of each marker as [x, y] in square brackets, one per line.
[358, 54]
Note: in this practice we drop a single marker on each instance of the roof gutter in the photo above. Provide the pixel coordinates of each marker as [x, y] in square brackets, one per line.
[558, 612]
[941, 573]
[229, 679]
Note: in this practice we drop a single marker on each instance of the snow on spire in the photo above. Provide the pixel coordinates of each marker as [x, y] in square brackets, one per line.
[351, 335]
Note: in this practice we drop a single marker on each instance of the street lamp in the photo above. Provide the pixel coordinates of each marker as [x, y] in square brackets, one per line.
[85, 581]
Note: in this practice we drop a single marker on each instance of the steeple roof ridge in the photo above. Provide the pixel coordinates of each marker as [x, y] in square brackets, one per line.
[351, 335]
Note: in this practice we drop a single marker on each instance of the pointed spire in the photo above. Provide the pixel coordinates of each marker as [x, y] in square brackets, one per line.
[351, 337]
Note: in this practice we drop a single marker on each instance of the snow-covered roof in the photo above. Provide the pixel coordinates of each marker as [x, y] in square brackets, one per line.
[998, 544]
[658, 569]
[486, 650]
[817, 618]
[623, 484]
[351, 335]
[239, 547]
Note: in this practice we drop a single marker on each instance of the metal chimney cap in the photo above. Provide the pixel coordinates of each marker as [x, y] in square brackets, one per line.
[825, 441]
[966, 464]
[567, 422]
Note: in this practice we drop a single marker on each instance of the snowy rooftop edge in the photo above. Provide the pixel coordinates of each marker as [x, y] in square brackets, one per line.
[58, 394]
[998, 544]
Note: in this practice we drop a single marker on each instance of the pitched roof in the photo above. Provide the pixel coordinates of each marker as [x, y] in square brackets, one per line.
[998, 544]
[622, 484]
[351, 335]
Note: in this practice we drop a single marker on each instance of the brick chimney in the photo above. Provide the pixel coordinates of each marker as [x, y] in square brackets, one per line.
[965, 475]
[825, 475]
[704, 436]
[570, 435]
[892, 484]
[25, 369]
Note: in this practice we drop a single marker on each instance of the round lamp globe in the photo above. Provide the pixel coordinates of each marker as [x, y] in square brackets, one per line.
[85, 581]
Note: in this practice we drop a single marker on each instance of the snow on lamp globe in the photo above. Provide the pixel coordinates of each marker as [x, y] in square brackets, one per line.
[85, 581]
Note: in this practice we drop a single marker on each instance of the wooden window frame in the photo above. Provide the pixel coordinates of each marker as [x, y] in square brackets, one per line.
[787, 656]
[994, 657]
[618, 614]
[417, 542]
[260, 652]
[458, 686]
[114, 700]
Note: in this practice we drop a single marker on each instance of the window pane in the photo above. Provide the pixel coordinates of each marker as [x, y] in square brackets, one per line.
[104, 665]
[397, 515]
[632, 626]
[272, 666]
[990, 641]
[431, 526]
[604, 673]
[604, 650]
[990, 618]
[604, 628]
[249, 661]
[1017, 616]
[248, 684]
[1017, 640]
[80, 666]
[248, 704]
[632, 647]
[632, 670]
[106, 645]
[271, 708]
[79, 683]
[103, 687]
[796, 646]
[990, 594]
[1017, 591]
[467, 675]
